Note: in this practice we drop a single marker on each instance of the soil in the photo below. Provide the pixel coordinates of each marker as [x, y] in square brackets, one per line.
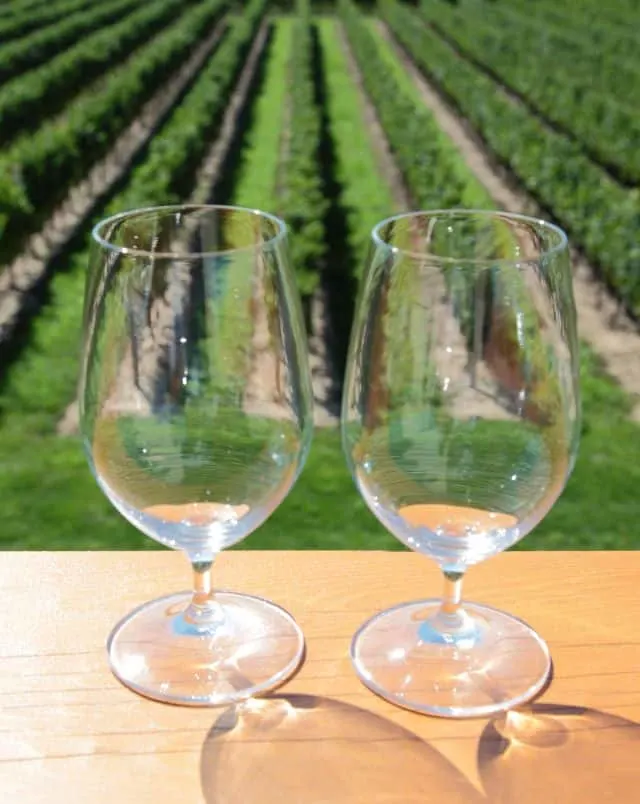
[326, 408]
[602, 322]
[264, 394]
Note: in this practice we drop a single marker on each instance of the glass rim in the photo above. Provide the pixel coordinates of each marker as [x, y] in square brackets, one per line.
[453, 212]
[96, 232]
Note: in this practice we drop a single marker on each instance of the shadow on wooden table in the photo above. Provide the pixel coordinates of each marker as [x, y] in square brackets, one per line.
[549, 753]
[300, 749]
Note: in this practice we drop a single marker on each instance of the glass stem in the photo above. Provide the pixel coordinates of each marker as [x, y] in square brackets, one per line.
[203, 611]
[452, 594]
[450, 617]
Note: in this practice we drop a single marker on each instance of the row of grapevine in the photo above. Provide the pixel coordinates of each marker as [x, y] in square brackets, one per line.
[25, 54]
[429, 162]
[13, 8]
[358, 193]
[303, 204]
[175, 154]
[590, 16]
[253, 185]
[601, 216]
[24, 22]
[30, 98]
[38, 170]
[363, 196]
[605, 68]
[254, 179]
[559, 23]
[555, 88]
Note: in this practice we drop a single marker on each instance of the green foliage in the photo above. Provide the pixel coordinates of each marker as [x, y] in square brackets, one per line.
[474, 195]
[22, 22]
[38, 170]
[71, 509]
[25, 54]
[429, 163]
[15, 8]
[28, 99]
[591, 19]
[255, 187]
[433, 169]
[167, 173]
[43, 381]
[257, 176]
[595, 34]
[598, 509]
[574, 89]
[365, 196]
[601, 216]
[303, 205]
[324, 511]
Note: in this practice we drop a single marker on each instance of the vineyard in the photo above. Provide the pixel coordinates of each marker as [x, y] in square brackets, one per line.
[334, 116]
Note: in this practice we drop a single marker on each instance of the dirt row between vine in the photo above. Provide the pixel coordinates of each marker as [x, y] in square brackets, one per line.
[209, 174]
[602, 322]
[323, 380]
[20, 279]
[450, 358]
[378, 139]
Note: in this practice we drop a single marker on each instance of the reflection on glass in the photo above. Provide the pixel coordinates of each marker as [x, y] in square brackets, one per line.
[196, 418]
[460, 423]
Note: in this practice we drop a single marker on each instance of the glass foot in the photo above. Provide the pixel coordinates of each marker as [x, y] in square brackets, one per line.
[489, 662]
[253, 647]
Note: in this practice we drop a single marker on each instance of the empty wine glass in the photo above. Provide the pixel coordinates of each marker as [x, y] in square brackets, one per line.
[460, 424]
[195, 410]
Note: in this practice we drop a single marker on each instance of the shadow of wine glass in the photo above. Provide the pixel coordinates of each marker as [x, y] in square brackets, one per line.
[313, 750]
[554, 753]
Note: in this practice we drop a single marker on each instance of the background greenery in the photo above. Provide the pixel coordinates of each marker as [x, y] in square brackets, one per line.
[50, 500]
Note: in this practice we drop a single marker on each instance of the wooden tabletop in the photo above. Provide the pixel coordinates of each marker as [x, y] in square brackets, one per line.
[71, 733]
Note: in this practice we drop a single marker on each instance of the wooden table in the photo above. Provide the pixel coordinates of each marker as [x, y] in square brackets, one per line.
[70, 733]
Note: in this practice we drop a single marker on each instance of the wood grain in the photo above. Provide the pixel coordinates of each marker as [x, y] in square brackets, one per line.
[70, 733]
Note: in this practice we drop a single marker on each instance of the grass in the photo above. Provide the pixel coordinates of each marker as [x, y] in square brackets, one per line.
[257, 178]
[365, 195]
[599, 508]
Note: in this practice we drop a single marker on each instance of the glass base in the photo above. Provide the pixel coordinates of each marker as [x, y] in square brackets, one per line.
[253, 647]
[488, 662]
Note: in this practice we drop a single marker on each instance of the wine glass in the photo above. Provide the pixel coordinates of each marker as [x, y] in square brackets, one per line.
[460, 424]
[196, 416]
